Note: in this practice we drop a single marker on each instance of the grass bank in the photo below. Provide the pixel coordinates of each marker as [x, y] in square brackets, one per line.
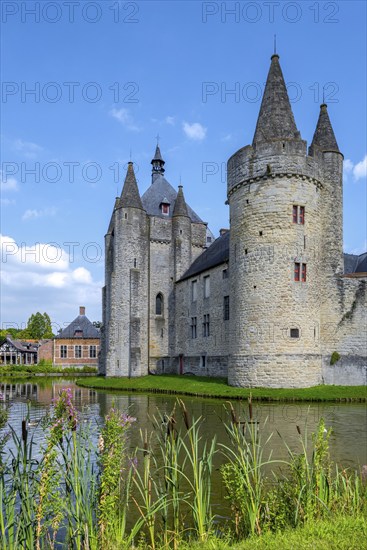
[338, 533]
[200, 386]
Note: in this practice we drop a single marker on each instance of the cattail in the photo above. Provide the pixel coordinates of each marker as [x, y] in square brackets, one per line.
[234, 418]
[186, 416]
[24, 431]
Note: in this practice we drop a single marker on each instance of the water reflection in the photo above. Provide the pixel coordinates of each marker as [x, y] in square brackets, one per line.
[348, 444]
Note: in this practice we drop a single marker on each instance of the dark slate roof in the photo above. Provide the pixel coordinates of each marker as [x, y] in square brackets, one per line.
[324, 136]
[180, 208]
[158, 155]
[130, 196]
[216, 254]
[80, 323]
[160, 189]
[355, 264]
[22, 346]
[276, 120]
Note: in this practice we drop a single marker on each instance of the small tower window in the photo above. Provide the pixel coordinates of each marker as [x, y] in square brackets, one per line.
[300, 272]
[165, 209]
[194, 291]
[294, 333]
[159, 304]
[298, 214]
[207, 286]
[226, 308]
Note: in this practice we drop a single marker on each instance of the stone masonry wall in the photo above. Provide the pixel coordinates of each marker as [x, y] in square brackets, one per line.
[213, 347]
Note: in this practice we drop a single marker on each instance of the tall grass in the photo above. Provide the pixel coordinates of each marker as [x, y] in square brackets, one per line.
[86, 496]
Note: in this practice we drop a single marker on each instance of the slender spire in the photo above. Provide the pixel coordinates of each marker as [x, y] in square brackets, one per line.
[180, 208]
[157, 163]
[130, 196]
[324, 136]
[276, 120]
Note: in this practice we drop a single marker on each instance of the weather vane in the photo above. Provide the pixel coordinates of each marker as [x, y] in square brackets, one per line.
[275, 44]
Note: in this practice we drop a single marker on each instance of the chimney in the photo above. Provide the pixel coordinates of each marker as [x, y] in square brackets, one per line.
[223, 232]
[81, 310]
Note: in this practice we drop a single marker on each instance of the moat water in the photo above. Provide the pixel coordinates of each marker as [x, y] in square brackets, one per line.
[348, 442]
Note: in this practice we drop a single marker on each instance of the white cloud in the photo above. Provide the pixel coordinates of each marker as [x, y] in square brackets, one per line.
[27, 148]
[194, 131]
[44, 277]
[125, 118]
[7, 202]
[359, 170]
[34, 214]
[228, 137]
[170, 120]
[7, 183]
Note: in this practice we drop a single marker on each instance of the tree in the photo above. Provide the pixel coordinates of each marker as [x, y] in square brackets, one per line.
[39, 326]
[97, 324]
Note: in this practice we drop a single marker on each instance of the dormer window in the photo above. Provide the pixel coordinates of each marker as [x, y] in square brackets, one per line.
[78, 333]
[164, 206]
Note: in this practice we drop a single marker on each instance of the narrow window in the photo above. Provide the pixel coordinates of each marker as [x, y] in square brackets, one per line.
[63, 352]
[303, 277]
[294, 333]
[301, 215]
[226, 308]
[296, 271]
[295, 214]
[194, 291]
[194, 327]
[92, 352]
[225, 273]
[206, 325]
[159, 304]
[207, 286]
[78, 352]
[165, 209]
[203, 361]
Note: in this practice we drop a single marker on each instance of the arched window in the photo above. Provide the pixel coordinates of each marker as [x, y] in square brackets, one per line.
[159, 304]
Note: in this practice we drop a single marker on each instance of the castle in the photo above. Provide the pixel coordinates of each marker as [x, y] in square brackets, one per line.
[272, 302]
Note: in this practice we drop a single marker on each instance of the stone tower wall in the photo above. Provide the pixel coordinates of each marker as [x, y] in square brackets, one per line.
[126, 295]
[264, 245]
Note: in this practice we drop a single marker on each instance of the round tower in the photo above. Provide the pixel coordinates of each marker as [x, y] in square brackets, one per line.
[274, 194]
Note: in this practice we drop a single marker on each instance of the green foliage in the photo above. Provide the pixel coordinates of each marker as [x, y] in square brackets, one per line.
[335, 356]
[38, 326]
[44, 367]
[202, 386]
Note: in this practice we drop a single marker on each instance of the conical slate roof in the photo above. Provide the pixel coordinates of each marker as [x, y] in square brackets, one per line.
[130, 196]
[158, 155]
[161, 190]
[275, 120]
[180, 208]
[324, 136]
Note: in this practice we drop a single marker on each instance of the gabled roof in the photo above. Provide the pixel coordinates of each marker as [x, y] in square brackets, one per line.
[216, 254]
[161, 190]
[81, 323]
[355, 264]
[25, 347]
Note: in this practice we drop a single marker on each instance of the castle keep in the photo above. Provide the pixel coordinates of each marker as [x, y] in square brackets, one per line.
[273, 301]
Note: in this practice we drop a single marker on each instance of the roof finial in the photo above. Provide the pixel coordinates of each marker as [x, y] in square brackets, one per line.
[323, 94]
[157, 137]
[275, 44]
[130, 155]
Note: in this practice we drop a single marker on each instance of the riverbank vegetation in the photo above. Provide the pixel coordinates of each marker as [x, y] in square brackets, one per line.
[90, 490]
[43, 367]
[202, 386]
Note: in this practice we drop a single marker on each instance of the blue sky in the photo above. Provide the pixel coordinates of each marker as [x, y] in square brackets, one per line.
[107, 77]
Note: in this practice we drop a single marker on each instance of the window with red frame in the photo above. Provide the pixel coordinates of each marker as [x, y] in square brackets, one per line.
[296, 271]
[165, 209]
[298, 214]
[301, 215]
[303, 274]
[295, 214]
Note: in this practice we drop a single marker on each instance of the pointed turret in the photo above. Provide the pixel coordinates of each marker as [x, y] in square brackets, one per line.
[130, 197]
[180, 208]
[324, 136]
[157, 163]
[276, 120]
